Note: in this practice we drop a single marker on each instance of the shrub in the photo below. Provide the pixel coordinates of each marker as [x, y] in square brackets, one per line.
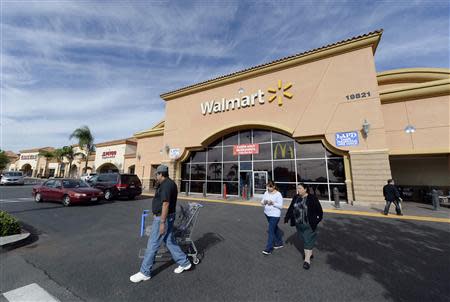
[8, 224]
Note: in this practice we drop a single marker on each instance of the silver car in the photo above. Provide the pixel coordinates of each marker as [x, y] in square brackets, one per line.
[12, 178]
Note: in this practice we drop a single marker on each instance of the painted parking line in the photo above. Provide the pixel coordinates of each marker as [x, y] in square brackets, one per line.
[14, 200]
[343, 212]
[32, 292]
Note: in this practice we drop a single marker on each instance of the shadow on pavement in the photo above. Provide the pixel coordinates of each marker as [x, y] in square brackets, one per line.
[37, 209]
[391, 254]
[204, 243]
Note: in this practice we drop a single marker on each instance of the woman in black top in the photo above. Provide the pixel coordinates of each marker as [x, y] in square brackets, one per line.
[305, 213]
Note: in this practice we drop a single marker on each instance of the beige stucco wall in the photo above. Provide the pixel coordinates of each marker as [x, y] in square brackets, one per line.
[430, 117]
[128, 162]
[318, 107]
[148, 153]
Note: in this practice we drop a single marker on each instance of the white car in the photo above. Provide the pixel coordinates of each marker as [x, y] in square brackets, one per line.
[12, 178]
[86, 177]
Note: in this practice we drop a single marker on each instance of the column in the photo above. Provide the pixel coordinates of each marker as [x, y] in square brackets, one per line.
[370, 171]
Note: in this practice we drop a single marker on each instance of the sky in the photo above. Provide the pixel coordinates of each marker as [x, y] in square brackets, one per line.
[65, 64]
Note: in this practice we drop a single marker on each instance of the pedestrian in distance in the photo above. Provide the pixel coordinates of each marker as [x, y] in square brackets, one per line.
[391, 195]
[305, 213]
[273, 203]
[163, 208]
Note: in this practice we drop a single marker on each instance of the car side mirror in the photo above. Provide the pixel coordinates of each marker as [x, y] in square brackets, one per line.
[58, 187]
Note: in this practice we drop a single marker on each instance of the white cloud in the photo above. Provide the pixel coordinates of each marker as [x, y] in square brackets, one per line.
[70, 63]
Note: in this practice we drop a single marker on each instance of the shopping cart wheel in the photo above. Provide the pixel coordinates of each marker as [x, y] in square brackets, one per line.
[195, 260]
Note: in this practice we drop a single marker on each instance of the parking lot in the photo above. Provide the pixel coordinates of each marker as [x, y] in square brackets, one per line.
[87, 253]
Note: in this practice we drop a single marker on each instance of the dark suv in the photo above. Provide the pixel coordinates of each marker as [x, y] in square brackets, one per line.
[117, 185]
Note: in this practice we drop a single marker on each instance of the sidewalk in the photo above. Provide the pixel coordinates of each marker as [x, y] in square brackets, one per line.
[411, 210]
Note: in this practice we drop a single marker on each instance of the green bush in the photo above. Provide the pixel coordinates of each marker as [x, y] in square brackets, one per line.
[8, 224]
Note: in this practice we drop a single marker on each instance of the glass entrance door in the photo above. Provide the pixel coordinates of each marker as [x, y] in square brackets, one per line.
[259, 182]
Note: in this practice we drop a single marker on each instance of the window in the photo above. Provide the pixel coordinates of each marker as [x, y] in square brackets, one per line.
[285, 160]
[49, 184]
[310, 150]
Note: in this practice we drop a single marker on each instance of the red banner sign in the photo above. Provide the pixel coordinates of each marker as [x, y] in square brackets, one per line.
[245, 149]
[109, 154]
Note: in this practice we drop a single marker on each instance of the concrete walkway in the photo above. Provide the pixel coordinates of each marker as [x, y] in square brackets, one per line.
[411, 210]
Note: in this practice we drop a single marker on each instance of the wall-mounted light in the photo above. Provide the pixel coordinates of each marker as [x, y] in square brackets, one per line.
[410, 129]
[241, 90]
[365, 128]
[139, 157]
[167, 148]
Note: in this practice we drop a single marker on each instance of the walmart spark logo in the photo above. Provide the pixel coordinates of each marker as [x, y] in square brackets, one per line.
[280, 93]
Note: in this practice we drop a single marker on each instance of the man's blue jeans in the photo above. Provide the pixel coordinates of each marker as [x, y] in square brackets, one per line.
[154, 242]
[274, 233]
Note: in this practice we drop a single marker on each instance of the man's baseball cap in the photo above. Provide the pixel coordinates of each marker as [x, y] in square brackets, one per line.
[162, 169]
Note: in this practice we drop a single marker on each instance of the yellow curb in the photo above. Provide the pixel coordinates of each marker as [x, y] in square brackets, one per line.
[405, 217]
[354, 213]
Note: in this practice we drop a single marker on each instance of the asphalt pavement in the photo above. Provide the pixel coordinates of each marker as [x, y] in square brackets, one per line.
[87, 253]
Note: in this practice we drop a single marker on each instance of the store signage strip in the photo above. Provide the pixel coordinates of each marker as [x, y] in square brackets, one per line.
[109, 154]
[231, 104]
[245, 149]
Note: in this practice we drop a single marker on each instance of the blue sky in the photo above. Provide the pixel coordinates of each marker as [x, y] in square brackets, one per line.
[104, 64]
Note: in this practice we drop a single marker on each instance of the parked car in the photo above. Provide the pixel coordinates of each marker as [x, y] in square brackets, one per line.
[116, 185]
[12, 178]
[87, 176]
[68, 191]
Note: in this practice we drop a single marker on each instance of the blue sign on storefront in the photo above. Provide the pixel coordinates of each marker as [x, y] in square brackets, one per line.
[344, 139]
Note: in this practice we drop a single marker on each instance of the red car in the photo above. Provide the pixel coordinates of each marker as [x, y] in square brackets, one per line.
[67, 191]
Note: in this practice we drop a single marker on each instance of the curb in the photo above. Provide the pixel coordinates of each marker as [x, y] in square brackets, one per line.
[333, 211]
[13, 239]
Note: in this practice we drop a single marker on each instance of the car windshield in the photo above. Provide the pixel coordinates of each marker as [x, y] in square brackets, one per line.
[129, 179]
[73, 183]
[13, 174]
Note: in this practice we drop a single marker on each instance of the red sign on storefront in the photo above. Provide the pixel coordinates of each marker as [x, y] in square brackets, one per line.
[109, 154]
[245, 149]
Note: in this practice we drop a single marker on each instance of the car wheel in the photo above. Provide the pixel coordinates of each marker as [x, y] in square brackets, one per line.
[131, 197]
[108, 195]
[66, 200]
[38, 197]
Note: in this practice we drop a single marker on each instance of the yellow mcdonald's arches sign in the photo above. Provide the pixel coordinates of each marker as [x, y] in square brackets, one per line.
[281, 149]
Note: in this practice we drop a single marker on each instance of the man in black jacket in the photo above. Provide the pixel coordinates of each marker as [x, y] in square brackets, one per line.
[391, 194]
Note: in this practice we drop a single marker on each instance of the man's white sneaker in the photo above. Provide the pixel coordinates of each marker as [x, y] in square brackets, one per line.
[181, 269]
[139, 277]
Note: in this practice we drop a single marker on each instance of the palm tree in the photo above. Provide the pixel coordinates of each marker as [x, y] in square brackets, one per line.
[59, 156]
[69, 154]
[48, 156]
[85, 141]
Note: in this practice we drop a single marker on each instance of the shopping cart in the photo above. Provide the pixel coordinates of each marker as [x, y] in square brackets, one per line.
[185, 222]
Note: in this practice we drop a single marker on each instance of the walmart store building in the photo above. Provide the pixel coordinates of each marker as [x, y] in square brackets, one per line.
[323, 117]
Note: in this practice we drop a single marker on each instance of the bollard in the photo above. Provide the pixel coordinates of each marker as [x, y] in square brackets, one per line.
[336, 197]
[435, 199]
[204, 189]
[187, 189]
[224, 191]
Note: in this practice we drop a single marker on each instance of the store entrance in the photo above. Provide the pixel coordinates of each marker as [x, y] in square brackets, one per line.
[259, 183]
